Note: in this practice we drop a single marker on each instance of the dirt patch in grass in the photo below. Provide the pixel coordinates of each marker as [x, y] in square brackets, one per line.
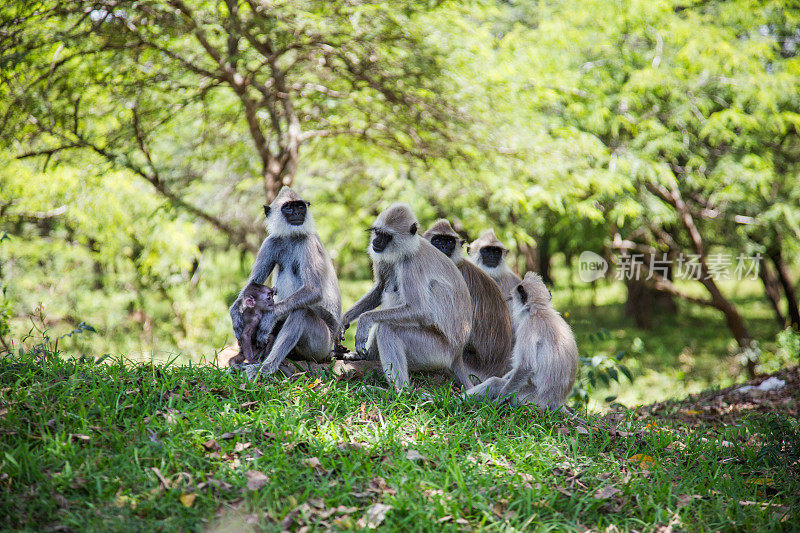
[726, 406]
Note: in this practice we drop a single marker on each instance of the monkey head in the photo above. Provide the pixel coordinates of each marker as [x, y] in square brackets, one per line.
[487, 250]
[445, 239]
[257, 297]
[288, 214]
[394, 234]
[530, 294]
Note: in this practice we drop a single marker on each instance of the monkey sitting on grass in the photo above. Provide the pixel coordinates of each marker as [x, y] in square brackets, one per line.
[545, 357]
[256, 301]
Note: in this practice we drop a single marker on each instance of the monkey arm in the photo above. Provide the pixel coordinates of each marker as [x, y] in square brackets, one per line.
[400, 315]
[520, 375]
[306, 296]
[519, 378]
[264, 263]
[369, 301]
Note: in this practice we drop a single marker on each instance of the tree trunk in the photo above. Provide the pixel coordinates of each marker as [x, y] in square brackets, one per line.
[526, 260]
[644, 299]
[772, 288]
[544, 257]
[788, 290]
[733, 319]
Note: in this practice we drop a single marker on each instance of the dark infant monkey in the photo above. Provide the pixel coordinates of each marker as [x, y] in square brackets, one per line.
[256, 301]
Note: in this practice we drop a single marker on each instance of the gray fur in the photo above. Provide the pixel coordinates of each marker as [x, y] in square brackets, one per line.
[488, 350]
[545, 357]
[306, 291]
[425, 316]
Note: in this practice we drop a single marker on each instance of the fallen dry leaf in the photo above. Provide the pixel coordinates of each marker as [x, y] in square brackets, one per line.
[160, 477]
[211, 445]
[676, 445]
[61, 501]
[241, 446]
[414, 455]
[641, 460]
[79, 438]
[766, 481]
[188, 499]
[313, 462]
[374, 516]
[606, 492]
[255, 479]
[686, 499]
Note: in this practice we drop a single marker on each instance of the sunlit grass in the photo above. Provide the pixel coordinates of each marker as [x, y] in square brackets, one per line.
[129, 447]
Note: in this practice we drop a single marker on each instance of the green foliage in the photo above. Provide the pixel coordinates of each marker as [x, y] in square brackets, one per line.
[6, 310]
[786, 352]
[601, 369]
[132, 174]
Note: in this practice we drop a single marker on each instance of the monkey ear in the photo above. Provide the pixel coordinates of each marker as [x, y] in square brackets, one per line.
[523, 294]
[308, 204]
[550, 294]
[413, 229]
[468, 249]
[266, 210]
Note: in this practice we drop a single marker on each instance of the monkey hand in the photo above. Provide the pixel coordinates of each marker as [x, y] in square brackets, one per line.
[362, 334]
[340, 335]
[265, 328]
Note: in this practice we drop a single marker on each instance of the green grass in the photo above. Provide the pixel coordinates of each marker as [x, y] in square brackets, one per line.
[80, 441]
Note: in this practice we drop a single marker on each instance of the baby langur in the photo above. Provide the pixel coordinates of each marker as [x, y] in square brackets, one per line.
[490, 254]
[257, 299]
[488, 350]
[425, 314]
[545, 357]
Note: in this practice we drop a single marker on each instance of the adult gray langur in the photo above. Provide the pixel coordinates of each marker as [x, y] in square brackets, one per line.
[425, 314]
[488, 349]
[307, 308]
[545, 357]
[490, 255]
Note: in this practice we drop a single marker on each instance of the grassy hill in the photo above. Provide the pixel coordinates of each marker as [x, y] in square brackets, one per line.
[115, 447]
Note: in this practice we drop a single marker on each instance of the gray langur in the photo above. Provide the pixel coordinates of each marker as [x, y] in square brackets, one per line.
[545, 357]
[307, 308]
[257, 299]
[488, 349]
[425, 314]
[490, 254]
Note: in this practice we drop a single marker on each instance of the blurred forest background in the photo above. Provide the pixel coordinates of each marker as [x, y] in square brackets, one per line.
[140, 139]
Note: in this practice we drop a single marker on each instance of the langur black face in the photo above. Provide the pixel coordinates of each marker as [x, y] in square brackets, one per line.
[380, 240]
[295, 212]
[523, 294]
[445, 243]
[491, 256]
